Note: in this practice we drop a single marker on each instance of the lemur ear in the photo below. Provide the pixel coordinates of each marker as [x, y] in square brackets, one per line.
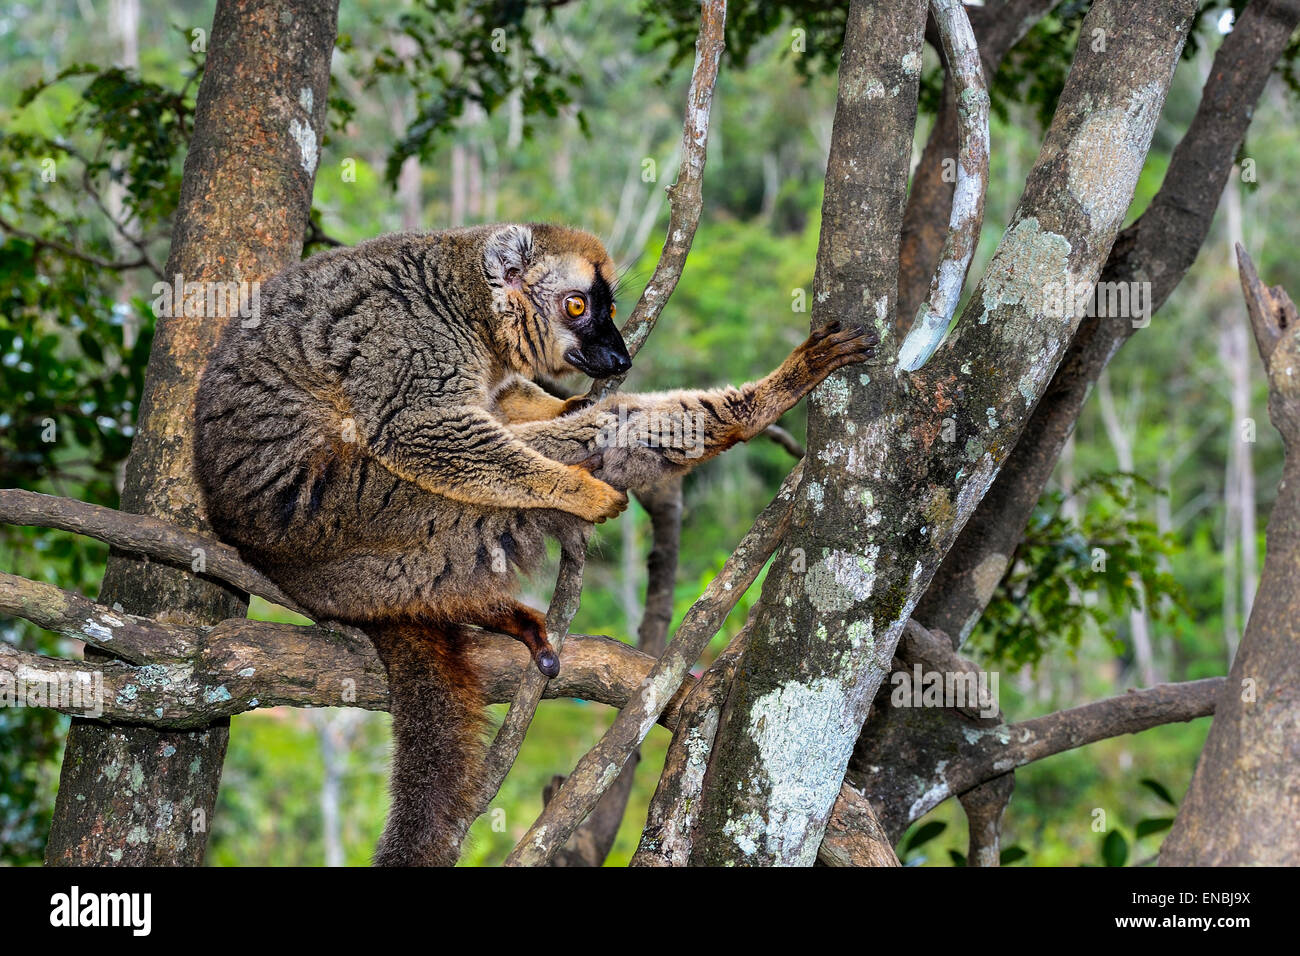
[508, 254]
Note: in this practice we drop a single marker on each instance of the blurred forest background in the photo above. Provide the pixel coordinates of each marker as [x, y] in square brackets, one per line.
[1170, 475]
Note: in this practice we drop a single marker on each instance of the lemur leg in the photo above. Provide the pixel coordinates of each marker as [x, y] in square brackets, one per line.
[526, 626]
[635, 440]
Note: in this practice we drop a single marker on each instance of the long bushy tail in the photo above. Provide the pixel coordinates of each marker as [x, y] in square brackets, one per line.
[438, 736]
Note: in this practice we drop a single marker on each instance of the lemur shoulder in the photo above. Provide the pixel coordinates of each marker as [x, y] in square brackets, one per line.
[375, 442]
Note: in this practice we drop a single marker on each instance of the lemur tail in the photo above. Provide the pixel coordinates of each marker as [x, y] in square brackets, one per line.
[438, 741]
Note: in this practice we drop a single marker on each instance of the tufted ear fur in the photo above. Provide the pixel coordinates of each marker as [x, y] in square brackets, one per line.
[507, 256]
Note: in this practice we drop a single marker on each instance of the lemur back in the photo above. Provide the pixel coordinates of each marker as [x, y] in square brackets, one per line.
[290, 408]
[374, 441]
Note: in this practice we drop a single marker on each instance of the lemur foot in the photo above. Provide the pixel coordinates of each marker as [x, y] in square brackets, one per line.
[528, 627]
[833, 346]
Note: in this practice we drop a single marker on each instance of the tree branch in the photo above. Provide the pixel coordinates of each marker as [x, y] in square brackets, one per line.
[685, 198]
[984, 806]
[241, 665]
[141, 534]
[666, 838]
[967, 215]
[783, 438]
[136, 639]
[599, 766]
[63, 249]
[998, 28]
[591, 842]
[854, 836]
[920, 756]
[1157, 249]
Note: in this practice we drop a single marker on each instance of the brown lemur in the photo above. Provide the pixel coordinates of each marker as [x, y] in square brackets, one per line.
[374, 441]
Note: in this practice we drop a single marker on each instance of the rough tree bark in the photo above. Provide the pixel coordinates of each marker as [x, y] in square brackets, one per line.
[135, 795]
[1244, 799]
[998, 28]
[866, 183]
[1158, 248]
[898, 462]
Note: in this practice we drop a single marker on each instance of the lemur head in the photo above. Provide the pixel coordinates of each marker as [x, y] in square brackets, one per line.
[553, 290]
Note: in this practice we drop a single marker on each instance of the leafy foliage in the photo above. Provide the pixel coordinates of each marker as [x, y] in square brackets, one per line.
[476, 51]
[73, 353]
[1068, 575]
[815, 27]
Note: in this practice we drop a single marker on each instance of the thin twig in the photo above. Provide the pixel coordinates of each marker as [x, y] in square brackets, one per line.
[685, 198]
[591, 842]
[783, 438]
[44, 242]
[505, 746]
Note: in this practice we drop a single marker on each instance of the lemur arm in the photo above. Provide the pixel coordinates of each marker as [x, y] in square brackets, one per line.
[462, 452]
[643, 438]
[523, 400]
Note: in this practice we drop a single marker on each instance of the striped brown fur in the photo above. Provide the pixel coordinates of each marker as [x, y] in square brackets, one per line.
[376, 444]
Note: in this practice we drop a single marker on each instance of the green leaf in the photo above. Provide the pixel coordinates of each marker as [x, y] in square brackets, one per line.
[925, 834]
[1158, 788]
[958, 859]
[1114, 849]
[1012, 854]
[1153, 825]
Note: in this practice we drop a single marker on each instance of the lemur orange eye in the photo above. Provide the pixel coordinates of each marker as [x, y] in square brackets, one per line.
[575, 305]
[613, 311]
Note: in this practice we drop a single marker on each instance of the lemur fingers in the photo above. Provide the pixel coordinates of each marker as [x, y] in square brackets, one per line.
[829, 348]
[601, 501]
[834, 346]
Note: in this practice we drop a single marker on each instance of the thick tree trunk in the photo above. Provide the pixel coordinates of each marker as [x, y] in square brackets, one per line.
[1243, 807]
[128, 794]
[856, 280]
[897, 461]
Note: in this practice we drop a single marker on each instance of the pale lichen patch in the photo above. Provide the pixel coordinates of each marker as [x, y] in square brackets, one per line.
[803, 751]
[303, 134]
[1107, 153]
[1028, 261]
[840, 580]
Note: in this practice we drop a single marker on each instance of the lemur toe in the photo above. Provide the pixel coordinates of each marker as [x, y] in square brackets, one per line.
[548, 663]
